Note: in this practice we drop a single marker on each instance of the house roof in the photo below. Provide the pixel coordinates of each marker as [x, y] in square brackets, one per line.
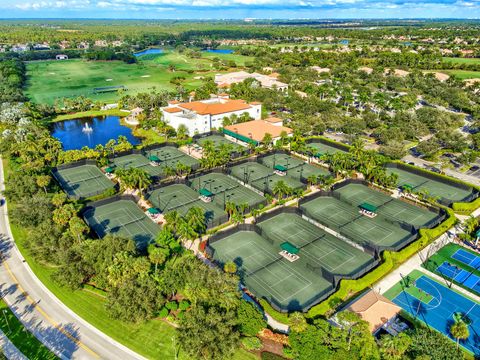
[172, 110]
[215, 108]
[173, 102]
[375, 309]
[256, 129]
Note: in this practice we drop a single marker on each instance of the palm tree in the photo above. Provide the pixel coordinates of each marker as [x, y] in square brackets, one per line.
[43, 181]
[195, 217]
[172, 220]
[230, 208]
[459, 331]
[230, 267]
[312, 180]
[280, 189]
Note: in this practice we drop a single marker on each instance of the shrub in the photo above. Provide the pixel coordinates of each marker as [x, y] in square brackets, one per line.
[171, 305]
[184, 305]
[250, 320]
[252, 343]
[163, 313]
[181, 315]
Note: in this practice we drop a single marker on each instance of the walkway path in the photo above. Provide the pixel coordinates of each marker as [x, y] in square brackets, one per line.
[10, 350]
[54, 324]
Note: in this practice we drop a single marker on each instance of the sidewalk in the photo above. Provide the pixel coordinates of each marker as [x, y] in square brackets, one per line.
[10, 350]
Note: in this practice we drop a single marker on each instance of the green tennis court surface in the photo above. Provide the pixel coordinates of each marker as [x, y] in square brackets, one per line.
[388, 206]
[296, 168]
[345, 219]
[83, 181]
[137, 161]
[181, 198]
[218, 140]
[320, 148]
[123, 218]
[226, 189]
[262, 177]
[170, 156]
[291, 286]
[432, 187]
[317, 246]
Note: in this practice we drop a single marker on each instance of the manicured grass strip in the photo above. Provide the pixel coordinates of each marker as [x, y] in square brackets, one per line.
[92, 113]
[25, 341]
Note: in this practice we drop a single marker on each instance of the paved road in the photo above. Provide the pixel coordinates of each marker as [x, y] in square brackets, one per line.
[61, 330]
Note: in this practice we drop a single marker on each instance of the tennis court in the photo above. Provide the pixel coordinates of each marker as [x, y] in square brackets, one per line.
[320, 149]
[387, 206]
[122, 218]
[440, 311]
[137, 161]
[296, 168]
[227, 189]
[319, 248]
[181, 198]
[432, 187]
[261, 177]
[289, 285]
[170, 156]
[83, 181]
[345, 219]
[461, 276]
[218, 140]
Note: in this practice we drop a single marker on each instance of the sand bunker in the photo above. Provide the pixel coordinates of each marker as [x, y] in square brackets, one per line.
[108, 79]
[145, 76]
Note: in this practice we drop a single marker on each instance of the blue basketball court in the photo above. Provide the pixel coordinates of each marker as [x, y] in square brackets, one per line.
[439, 312]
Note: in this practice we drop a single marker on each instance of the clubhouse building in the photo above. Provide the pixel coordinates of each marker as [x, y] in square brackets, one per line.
[206, 115]
[254, 131]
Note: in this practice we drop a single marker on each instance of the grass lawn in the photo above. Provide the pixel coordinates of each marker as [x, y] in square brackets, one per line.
[26, 342]
[462, 74]
[395, 290]
[461, 60]
[240, 60]
[48, 80]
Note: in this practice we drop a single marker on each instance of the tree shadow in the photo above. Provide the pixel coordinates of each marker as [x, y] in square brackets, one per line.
[6, 246]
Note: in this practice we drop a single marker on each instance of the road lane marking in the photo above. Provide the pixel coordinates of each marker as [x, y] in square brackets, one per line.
[47, 317]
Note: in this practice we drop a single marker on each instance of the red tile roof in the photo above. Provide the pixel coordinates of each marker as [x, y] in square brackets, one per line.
[256, 129]
[215, 108]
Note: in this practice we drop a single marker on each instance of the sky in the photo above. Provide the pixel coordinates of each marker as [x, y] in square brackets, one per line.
[239, 9]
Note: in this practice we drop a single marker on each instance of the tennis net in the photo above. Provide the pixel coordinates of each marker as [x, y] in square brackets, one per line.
[264, 266]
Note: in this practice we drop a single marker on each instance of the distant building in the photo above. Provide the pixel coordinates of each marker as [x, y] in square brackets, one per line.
[254, 131]
[203, 116]
[61, 57]
[266, 81]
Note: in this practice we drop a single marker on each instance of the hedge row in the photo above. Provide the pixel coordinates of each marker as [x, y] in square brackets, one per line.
[391, 260]
[463, 208]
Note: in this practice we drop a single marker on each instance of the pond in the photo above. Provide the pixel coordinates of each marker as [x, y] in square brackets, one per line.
[149, 51]
[219, 51]
[103, 128]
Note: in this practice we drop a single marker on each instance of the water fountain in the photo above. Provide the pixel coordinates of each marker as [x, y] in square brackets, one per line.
[87, 128]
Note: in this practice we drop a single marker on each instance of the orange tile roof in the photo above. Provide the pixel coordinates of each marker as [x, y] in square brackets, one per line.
[256, 129]
[223, 86]
[215, 108]
[374, 308]
[256, 103]
[172, 110]
[173, 102]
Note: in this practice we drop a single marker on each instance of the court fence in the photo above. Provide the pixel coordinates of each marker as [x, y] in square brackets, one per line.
[58, 178]
[331, 143]
[474, 193]
[90, 206]
[368, 247]
[334, 279]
